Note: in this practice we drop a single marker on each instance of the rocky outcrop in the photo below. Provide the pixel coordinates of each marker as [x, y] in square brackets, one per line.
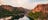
[42, 8]
[7, 7]
[21, 11]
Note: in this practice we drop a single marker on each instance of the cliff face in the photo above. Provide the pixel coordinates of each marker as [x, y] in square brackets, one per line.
[37, 8]
[42, 8]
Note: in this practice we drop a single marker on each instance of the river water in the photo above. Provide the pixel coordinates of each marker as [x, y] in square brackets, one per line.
[7, 18]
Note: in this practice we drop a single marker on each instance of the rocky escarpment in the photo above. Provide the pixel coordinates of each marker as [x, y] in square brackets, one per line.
[42, 8]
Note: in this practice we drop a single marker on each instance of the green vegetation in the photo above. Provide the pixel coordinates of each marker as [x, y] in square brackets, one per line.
[16, 11]
[4, 13]
[34, 15]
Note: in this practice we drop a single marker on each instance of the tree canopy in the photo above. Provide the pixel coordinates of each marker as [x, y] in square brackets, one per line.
[34, 15]
[15, 11]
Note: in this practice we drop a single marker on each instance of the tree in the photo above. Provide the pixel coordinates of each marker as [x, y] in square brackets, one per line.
[17, 10]
[18, 13]
[5, 13]
[34, 15]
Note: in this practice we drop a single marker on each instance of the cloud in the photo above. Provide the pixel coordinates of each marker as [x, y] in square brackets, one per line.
[29, 4]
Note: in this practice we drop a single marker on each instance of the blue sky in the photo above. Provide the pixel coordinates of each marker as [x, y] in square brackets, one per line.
[29, 4]
[38, 0]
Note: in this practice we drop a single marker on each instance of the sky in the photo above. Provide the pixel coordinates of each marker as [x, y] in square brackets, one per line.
[29, 4]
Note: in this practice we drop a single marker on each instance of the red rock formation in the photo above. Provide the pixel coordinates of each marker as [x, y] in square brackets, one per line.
[43, 8]
[37, 8]
[7, 7]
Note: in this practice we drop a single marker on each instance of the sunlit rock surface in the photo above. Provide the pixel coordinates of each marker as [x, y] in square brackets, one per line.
[42, 8]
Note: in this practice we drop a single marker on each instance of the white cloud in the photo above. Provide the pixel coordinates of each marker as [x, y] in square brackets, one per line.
[23, 3]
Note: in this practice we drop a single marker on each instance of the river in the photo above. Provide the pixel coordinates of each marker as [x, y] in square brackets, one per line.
[7, 18]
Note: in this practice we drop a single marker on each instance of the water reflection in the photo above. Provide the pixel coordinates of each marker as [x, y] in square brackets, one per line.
[24, 18]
